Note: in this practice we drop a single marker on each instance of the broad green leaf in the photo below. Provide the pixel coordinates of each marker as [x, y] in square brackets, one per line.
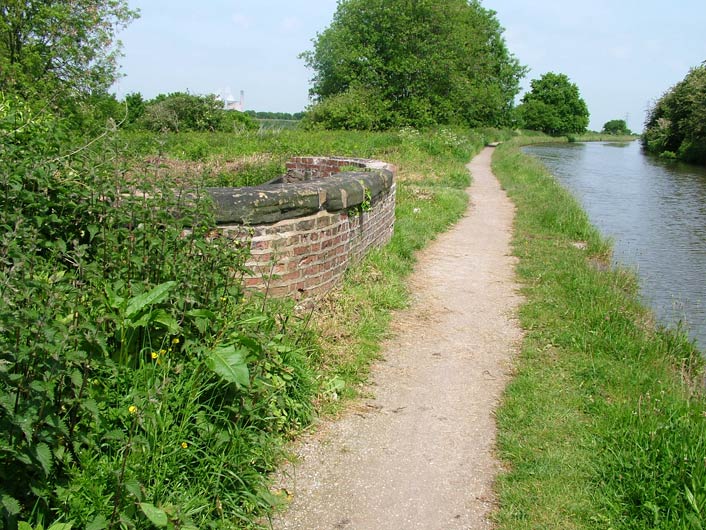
[114, 300]
[24, 526]
[230, 364]
[93, 230]
[132, 486]
[154, 514]
[153, 296]
[43, 455]
[10, 504]
[202, 313]
[77, 378]
[168, 321]
[99, 523]
[257, 319]
[61, 526]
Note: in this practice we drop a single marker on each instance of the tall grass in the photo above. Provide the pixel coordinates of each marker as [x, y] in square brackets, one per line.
[604, 423]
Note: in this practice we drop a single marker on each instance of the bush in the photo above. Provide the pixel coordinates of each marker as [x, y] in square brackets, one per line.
[183, 112]
[355, 109]
[136, 382]
[677, 121]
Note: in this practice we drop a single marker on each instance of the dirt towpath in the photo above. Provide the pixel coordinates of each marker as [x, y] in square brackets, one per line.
[419, 454]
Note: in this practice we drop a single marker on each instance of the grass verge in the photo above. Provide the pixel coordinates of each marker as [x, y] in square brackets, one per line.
[604, 423]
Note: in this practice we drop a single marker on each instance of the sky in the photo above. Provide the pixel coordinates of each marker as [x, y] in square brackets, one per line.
[622, 54]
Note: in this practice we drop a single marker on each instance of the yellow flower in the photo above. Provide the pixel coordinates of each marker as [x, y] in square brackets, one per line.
[163, 352]
[184, 445]
[155, 355]
[223, 299]
[132, 409]
[175, 341]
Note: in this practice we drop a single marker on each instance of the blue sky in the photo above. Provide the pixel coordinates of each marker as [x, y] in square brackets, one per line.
[622, 54]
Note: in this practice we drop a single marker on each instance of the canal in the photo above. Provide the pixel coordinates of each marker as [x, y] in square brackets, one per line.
[655, 213]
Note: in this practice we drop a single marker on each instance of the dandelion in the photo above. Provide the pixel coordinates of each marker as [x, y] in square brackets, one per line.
[184, 445]
[132, 409]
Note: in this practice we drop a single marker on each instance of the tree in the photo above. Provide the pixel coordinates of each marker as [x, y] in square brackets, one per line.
[427, 61]
[676, 124]
[135, 104]
[616, 127]
[554, 106]
[53, 49]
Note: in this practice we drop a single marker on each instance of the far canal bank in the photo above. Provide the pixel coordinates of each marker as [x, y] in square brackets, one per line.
[654, 213]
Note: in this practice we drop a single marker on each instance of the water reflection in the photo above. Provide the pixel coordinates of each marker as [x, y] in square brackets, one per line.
[654, 211]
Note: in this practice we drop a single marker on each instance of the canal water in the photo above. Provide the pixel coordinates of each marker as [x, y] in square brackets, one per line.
[655, 213]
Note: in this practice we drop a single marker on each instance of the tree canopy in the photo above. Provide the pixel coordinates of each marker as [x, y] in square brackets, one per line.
[676, 123]
[554, 106]
[52, 49]
[616, 127]
[412, 62]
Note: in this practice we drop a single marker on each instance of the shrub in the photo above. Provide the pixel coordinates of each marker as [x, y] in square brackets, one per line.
[130, 361]
[355, 109]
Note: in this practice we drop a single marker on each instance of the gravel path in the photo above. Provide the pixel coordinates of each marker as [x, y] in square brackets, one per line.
[419, 455]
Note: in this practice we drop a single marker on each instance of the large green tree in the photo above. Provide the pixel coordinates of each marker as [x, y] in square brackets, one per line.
[676, 124]
[422, 61]
[616, 127]
[554, 106]
[54, 49]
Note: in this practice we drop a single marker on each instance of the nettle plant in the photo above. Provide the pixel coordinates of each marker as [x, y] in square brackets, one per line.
[128, 353]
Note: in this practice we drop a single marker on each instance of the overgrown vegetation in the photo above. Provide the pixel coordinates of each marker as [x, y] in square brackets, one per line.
[384, 63]
[676, 123]
[603, 425]
[138, 386]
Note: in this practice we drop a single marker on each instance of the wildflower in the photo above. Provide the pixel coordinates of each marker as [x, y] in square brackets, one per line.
[132, 409]
[223, 299]
[162, 352]
[155, 355]
[175, 340]
[184, 445]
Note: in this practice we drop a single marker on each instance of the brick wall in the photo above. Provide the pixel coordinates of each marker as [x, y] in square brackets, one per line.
[305, 230]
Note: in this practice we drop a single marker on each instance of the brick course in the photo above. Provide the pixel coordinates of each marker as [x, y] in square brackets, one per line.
[307, 255]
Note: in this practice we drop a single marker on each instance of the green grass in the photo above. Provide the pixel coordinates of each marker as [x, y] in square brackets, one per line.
[603, 425]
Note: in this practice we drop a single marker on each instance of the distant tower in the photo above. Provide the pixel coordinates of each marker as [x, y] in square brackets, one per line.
[230, 102]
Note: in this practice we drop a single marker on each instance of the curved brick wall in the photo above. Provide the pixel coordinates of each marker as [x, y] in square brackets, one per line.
[306, 227]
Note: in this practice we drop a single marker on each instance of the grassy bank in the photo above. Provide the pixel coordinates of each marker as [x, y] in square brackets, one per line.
[604, 423]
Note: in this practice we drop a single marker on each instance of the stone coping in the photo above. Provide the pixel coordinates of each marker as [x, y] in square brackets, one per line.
[311, 185]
